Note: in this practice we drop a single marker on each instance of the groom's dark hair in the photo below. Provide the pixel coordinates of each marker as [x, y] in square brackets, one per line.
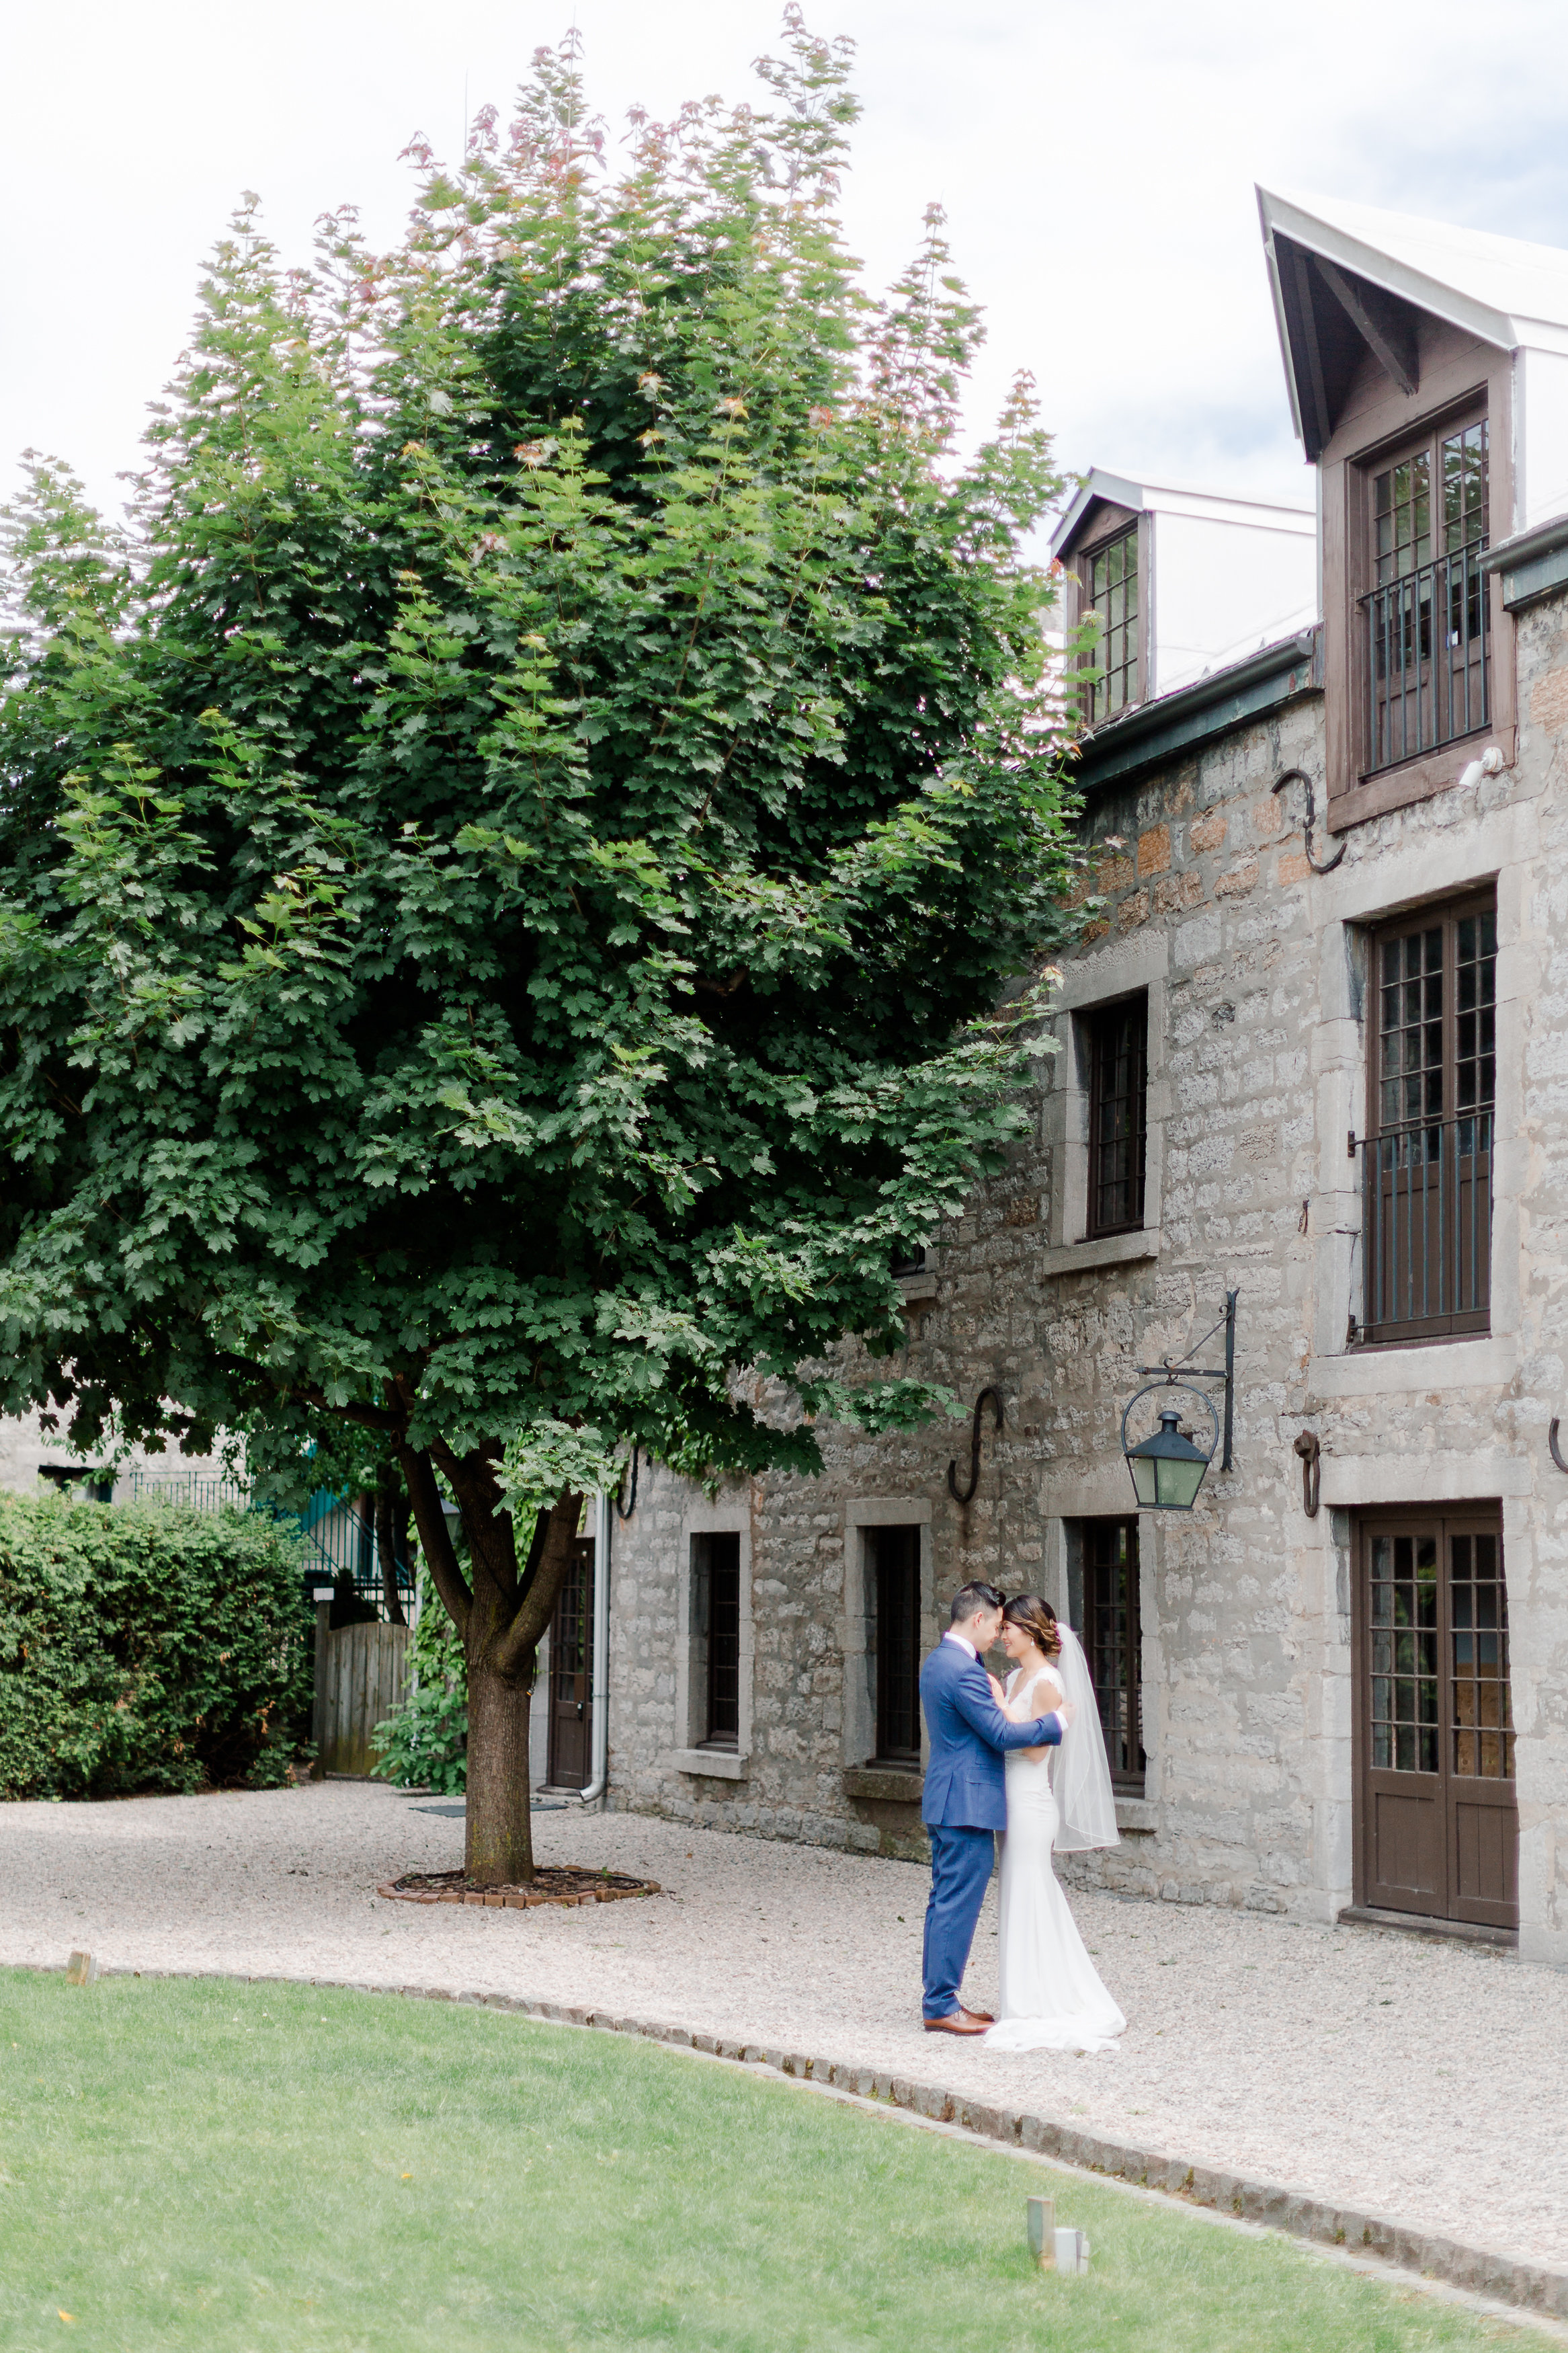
[971, 1598]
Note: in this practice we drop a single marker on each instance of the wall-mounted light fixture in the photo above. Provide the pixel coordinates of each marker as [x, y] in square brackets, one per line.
[1167, 1469]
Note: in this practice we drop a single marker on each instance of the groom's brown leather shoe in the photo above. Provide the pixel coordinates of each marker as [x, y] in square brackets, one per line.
[958, 2022]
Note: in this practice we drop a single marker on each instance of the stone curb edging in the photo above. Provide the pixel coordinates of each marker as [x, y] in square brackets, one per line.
[395, 1894]
[1505, 2279]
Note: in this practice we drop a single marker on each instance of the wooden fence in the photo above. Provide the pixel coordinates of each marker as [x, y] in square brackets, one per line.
[360, 1674]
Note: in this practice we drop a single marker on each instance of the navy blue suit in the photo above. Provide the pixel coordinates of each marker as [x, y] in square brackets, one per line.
[964, 1806]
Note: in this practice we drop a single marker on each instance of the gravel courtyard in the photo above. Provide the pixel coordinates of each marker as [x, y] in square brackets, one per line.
[1424, 2079]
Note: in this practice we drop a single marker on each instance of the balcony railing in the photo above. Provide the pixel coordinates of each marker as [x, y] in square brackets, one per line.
[1427, 1230]
[1428, 658]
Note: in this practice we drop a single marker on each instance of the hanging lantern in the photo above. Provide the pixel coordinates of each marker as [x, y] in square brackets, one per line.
[1167, 1469]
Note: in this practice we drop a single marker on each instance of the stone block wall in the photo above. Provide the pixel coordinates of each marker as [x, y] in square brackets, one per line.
[1199, 891]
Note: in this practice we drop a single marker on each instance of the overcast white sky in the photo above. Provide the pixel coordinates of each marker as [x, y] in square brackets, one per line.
[1097, 162]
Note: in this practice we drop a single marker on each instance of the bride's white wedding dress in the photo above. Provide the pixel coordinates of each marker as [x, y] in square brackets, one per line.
[1051, 1996]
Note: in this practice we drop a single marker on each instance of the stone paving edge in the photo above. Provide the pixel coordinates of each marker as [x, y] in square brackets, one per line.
[1505, 2279]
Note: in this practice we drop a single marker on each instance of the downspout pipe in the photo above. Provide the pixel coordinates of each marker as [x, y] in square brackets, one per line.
[599, 1680]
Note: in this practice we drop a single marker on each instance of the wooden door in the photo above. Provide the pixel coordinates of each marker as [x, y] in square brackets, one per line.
[1437, 1828]
[360, 1672]
[571, 1674]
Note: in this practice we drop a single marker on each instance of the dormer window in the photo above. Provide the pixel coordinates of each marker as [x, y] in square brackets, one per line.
[1170, 586]
[1407, 365]
[1426, 617]
[1109, 574]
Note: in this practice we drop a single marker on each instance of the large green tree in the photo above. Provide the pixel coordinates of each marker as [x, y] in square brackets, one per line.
[505, 866]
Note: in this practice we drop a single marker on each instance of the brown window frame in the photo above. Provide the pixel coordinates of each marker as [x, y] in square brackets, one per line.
[1119, 1699]
[1105, 522]
[893, 1576]
[569, 1738]
[1094, 1024]
[1461, 379]
[1132, 669]
[1396, 633]
[1422, 1172]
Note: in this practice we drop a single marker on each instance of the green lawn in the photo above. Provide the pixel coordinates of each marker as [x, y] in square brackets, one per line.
[262, 2169]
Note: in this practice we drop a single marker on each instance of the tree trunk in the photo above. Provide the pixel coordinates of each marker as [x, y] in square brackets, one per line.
[501, 1619]
[497, 1843]
[387, 1547]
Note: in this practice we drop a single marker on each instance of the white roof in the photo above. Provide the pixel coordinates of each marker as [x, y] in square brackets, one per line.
[1154, 498]
[1506, 291]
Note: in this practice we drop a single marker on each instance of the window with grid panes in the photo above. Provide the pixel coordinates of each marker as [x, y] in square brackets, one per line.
[1404, 1663]
[716, 1625]
[1116, 1039]
[1483, 1718]
[1114, 1643]
[1407, 1694]
[1428, 1164]
[894, 1561]
[1426, 619]
[1110, 576]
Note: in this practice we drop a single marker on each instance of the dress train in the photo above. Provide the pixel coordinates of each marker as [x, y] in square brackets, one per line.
[1051, 1996]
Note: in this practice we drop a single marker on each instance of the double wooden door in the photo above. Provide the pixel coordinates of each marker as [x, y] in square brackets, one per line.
[572, 1674]
[1438, 1824]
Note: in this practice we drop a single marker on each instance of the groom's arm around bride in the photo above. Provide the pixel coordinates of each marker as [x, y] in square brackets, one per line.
[964, 1802]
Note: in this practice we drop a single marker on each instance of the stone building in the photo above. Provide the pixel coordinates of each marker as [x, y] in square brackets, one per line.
[1312, 1048]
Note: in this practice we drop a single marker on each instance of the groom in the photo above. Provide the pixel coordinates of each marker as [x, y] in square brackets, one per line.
[964, 1804]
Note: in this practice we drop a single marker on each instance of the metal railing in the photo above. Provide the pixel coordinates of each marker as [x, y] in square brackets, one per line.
[338, 1530]
[1426, 1228]
[196, 1489]
[1428, 658]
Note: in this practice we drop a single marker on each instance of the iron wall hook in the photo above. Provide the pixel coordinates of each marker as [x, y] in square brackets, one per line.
[1299, 775]
[1552, 1443]
[624, 1511]
[1310, 1452]
[968, 1496]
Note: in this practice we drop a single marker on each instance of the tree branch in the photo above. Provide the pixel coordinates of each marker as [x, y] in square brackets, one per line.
[512, 1649]
[435, 1536]
[487, 1523]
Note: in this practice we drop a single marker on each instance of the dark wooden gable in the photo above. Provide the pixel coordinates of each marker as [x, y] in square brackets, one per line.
[1334, 319]
[1101, 519]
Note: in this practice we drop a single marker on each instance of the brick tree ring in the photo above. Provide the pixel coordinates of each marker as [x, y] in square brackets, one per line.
[563, 1883]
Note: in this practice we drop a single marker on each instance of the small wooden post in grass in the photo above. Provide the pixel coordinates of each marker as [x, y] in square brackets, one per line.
[82, 1969]
[1042, 2224]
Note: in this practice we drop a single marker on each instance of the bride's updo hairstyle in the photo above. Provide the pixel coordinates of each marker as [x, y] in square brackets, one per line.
[1033, 1616]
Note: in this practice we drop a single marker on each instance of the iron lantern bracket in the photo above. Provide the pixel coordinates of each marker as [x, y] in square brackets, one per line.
[1176, 1376]
[1299, 775]
[624, 1511]
[967, 1496]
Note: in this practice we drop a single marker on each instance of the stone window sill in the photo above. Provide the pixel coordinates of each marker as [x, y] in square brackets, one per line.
[917, 1287]
[713, 1764]
[1485, 1361]
[1114, 1250]
[1139, 1815]
[893, 1784]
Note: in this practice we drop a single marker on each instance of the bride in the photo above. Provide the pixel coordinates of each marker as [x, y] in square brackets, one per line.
[1052, 1999]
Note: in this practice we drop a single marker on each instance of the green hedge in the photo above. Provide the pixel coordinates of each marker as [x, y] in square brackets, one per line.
[147, 1648]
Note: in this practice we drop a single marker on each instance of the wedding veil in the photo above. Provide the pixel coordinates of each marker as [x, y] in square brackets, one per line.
[1081, 1780]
